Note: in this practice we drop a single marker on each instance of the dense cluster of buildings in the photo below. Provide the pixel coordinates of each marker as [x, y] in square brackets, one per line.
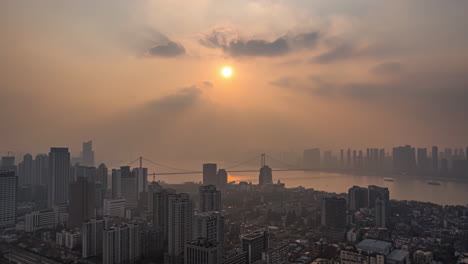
[57, 209]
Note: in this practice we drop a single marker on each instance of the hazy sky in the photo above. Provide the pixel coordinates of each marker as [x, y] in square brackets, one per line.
[143, 77]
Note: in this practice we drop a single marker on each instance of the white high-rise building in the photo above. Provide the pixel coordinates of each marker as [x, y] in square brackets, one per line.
[40, 219]
[114, 207]
[59, 176]
[8, 196]
[180, 223]
[121, 244]
[210, 199]
[92, 231]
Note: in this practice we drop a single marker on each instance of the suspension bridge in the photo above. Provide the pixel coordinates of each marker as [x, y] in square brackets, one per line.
[235, 168]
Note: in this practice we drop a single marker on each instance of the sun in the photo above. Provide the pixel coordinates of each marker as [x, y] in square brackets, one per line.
[226, 72]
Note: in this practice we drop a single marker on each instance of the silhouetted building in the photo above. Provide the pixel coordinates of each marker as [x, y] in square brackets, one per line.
[380, 213]
[265, 176]
[254, 244]
[8, 164]
[404, 159]
[209, 174]
[333, 212]
[141, 175]
[376, 192]
[311, 158]
[8, 196]
[26, 170]
[161, 215]
[102, 173]
[59, 176]
[210, 198]
[41, 170]
[92, 231]
[129, 187]
[358, 198]
[87, 155]
[82, 202]
[222, 178]
[116, 184]
[180, 224]
[435, 159]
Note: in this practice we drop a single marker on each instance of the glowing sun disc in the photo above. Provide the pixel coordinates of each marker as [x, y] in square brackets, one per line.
[226, 72]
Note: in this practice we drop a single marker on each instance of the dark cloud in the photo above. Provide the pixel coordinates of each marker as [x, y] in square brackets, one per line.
[229, 41]
[387, 68]
[169, 49]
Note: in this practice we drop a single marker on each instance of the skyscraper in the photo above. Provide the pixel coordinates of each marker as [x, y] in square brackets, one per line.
[380, 213]
[82, 202]
[200, 251]
[210, 198]
[121, 244]
[25, 170]
[8, 164]
[222, 178]
[116, 184]
[141, 175]
[59, 176]
[129, 187]
[209, 225]
[435, 159]
[180, 224]
[333, 212]
[209, 174]
[376, 192]
[265, 176]
[161, 214]
[92, 231]
[311, 158]
[87, 155]
[254, 244]
[8, 194]
[41, 170]
[358, 197]
[102, 174]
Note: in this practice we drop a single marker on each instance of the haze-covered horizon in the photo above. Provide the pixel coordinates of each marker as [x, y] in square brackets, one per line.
[143, 77]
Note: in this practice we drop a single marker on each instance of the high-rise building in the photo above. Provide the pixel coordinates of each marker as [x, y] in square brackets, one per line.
[358, 197]
[376, 192]
[82, 202]
[311, 158]
[348, 159]
[129, 187]
[121, 244]
[254, 244]
[209, 225]
[180, 224]
[380, 213]
[102, 174]
[40, 219]
[114, 207]
[8, 196]
[265, 176]
[87, 155]
[423, 160]
[209, 174]
[25, 170]
[141, 175]
[8, 164]
[404, 159]
[210, 198]
[116, 184]
[333, 212]
[276, 254]
[222, 178]
[59, 176]
[92, 231]
[41, 170]
[161, 215]
[200, 251]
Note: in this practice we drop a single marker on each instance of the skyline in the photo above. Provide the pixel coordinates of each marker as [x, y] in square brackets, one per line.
[144, 76]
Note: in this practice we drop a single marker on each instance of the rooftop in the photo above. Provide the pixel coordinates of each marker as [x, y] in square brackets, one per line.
[373, 245]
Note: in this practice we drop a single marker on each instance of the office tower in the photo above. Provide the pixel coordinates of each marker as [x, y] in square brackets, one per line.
[222, 178]
[41, 172]
[311, 158]
[435, 159]
[180, 224]
[87, 155]
[254, 244]
[380, 213]
[92, 231]
[265, 176]
[358, 197]
[114, 207]
[40, 219]
[375, 193]
[333, 212]
[59, 176]
[8, 196]
[116, 184]
[209, 174]
[209, 225]
[82, 202]
[141, 175]
[210, 198]
[200, 251]
[25, 170]
[121, 244]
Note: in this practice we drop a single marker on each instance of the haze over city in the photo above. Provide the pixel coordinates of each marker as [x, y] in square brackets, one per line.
[233, 132]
